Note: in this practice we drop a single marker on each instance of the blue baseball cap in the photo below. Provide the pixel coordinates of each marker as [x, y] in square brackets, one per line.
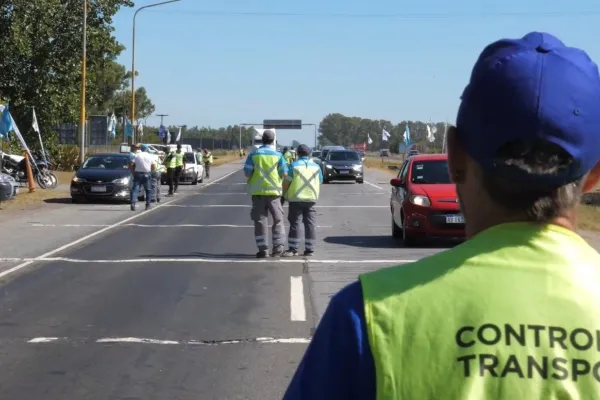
[532, 88]
[145, 147]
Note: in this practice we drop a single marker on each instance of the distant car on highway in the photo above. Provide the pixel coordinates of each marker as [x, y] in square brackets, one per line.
[193, 173]
[103, 177]
[342, 165]
[424, 203]
[413, 152]
[316, 156]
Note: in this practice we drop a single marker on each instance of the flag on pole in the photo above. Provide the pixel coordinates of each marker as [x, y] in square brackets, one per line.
[140, 129]
[112, 125]
[128, 128]
[385, 135]
[6, 125]
[36, 128]
[406, 135]
[369, 140]
[178, 136]
[168, 137]
[162, 132]
[430, 133]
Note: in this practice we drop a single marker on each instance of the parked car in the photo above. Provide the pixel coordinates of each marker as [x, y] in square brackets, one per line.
[424, 203]
[103, 177]
[342, 165]
[316, 156]
[326, 149]
[413, 152]
[194, 170]
[384, 153]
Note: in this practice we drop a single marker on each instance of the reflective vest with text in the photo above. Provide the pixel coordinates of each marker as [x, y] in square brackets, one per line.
[513, 313]
[265, 179]
[306, 182]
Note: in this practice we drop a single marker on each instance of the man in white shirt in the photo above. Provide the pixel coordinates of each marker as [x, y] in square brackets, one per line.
[142, 168]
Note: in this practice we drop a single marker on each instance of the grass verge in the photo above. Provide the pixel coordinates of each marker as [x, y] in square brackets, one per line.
[225, 158]
[388, 165]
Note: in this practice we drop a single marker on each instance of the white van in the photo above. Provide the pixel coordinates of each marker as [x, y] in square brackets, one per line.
[186, 148]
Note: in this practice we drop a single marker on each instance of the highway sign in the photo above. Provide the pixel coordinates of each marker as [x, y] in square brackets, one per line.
[282, 124]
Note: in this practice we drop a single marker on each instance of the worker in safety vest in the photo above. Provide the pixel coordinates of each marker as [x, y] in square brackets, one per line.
[301, 189]
[289, 157]
[207, 159]
[175, 163]
[265, 168]
[157, 172]
[241, 153]
[514, 312]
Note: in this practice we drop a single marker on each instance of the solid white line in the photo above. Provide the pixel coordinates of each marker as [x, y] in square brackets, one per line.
[297, 308]
[98, 232]
[249, 206]
[202, 260]
[374, 185]
[223, 194]
[159, 226]
[118, 340]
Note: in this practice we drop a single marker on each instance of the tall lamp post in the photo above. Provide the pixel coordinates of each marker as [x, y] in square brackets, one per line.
[83, 86]
[133, 55]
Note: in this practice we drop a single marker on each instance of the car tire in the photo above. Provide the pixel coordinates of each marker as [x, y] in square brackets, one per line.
[396, 230]
[360, 181]
[77, 200]
[195, 181]
[201, 179]
[325, 181]
[407, 240]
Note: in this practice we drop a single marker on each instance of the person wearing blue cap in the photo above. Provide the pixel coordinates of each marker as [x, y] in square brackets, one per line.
[142, 168]
[513, 312]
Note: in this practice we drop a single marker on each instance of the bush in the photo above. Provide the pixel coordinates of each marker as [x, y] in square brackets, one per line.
[66, 158]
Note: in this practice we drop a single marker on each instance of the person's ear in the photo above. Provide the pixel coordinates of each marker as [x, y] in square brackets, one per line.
[457, 158]
[592, 179]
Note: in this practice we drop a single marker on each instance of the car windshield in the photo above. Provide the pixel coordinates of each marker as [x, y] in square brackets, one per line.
[106, 162]
[430, 172]
[316, 154]
[189, 158]
[343, 156]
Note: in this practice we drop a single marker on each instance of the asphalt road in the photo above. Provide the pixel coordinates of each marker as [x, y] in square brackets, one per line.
[172, 304]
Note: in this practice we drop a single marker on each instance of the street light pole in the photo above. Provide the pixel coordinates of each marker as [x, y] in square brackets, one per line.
[83, 86]
[133, 54]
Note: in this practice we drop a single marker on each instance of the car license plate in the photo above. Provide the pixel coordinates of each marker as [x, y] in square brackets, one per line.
[344, 172]
[455, 219]
[98, 189]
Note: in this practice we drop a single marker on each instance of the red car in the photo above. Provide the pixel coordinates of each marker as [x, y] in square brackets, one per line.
[424, 202]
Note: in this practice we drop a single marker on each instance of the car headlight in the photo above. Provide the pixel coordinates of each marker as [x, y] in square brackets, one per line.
[122, 181]
[357, 167]
[328, 166]
[419, 200]
[77, 180]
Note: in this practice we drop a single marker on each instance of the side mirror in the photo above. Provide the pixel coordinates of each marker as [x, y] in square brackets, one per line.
[75, 167]
[397, 182]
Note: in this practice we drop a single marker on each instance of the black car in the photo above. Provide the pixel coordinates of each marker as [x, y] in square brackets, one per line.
[342, 165]
[103, 177]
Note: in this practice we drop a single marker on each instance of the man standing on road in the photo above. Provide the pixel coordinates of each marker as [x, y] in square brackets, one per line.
[265, 168]
[175, 162]
[301, 189]
[156, 176]
[142, 169]
[512, 313]
[207, 158]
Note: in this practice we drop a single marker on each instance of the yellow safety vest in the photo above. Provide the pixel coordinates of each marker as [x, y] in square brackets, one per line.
[207, 158]
[176, 159]
[265, 180]
[289, 158]
[513, 313]
[305, 183]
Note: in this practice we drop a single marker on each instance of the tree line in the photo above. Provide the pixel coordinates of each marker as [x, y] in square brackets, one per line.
[41, 64]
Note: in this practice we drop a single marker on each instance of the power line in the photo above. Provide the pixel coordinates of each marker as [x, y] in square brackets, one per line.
[405, 16]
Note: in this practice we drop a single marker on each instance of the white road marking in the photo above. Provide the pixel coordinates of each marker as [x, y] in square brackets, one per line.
[249, 206]
[119, 340]
[160, 226]
[98, 232]
[199, 260]
[297, 308]
[223, 194]
[374, 185]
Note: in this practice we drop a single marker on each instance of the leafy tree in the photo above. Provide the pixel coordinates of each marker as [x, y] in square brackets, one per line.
[295, 144]
[40, 65]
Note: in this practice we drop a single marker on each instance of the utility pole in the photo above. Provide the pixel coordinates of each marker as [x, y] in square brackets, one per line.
[83, 86]
[162, 116]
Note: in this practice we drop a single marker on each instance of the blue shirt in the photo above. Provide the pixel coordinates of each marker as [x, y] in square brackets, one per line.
[338, 364]
[266, 150]
[300, 162]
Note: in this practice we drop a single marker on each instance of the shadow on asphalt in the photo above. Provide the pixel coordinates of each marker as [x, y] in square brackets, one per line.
[61, 200]
[200, 254]
[384, 242]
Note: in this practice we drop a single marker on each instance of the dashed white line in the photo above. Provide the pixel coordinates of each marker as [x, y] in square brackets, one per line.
[199, 260]
[98, 232]
[297, 307]
[141, 340]
[249, 206]
[374, 185]
[156, 226]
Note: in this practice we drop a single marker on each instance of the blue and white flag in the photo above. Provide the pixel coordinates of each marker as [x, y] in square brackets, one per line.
[128, 128]
[6, 123]
[406, 135]
[112, 125]
[162, 132]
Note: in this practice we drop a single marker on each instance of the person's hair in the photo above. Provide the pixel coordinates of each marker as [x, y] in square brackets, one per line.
[268, 140]
[542, 158]
[285, 149]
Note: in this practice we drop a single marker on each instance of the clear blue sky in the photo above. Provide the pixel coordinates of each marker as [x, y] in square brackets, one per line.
[218, 70]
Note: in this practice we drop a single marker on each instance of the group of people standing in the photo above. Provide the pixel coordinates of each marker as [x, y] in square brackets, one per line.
[147, 169]
[274, 177]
